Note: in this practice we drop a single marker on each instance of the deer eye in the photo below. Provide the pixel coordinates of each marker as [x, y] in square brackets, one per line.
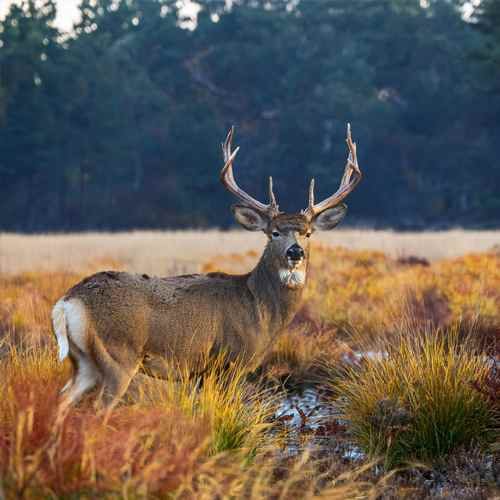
[275, 234]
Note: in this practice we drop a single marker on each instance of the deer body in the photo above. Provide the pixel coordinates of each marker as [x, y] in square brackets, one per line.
[183, 318]
[112, 323]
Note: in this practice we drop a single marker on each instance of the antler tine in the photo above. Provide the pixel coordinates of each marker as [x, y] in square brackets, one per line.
[226, 145]
[350, 179]
[228, 180]
[310, 204]
[273, 204]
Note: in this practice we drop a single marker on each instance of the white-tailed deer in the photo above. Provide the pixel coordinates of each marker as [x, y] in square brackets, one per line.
[112, 323]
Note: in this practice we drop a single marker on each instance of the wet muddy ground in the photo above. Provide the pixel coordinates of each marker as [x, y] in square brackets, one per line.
[311, 422]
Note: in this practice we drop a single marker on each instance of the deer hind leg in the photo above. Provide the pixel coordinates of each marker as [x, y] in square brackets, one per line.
[115, 385]
[86, 378]
[74, 365]
[117, 368]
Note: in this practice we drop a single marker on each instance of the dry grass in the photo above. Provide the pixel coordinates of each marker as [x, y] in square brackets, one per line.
[176, 252]
[184, 439]
[43, 452]
[236, 413]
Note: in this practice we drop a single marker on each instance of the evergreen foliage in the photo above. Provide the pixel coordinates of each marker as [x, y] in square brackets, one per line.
[117, 124]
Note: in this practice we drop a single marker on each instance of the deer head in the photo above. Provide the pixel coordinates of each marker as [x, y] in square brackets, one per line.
[287, 251]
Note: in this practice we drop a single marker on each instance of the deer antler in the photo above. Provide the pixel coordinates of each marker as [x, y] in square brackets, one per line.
[227, 179]
[350, 179]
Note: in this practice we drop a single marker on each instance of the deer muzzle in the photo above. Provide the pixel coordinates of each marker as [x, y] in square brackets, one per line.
[295, 256]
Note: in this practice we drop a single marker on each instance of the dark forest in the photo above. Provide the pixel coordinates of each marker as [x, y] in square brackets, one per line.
[118, 123]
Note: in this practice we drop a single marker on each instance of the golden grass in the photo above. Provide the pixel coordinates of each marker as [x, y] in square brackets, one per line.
[43, 452]
[188, 438]
[368, 290]
[176, 252]
[236, 413]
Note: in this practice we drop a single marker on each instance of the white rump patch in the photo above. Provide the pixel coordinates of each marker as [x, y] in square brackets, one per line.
[76, 319]
[59, 324]
[292, 278]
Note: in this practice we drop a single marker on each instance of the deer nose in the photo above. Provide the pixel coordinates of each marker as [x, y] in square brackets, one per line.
[295, 252]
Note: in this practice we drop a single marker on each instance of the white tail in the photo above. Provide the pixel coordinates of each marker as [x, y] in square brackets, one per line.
[60, 328]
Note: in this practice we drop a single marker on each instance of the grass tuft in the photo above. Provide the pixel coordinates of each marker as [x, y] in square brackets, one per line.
[236, 412]
[417, 400]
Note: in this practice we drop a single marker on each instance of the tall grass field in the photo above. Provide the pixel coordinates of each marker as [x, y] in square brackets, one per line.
[385, 385]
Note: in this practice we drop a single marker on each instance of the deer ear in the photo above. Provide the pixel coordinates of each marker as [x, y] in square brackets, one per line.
[249, 218]
[330, 217]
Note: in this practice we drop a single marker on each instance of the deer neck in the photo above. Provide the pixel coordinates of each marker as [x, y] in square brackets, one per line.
[277, 303]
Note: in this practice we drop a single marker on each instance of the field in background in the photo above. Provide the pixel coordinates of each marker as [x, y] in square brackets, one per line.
[171, 252]
[403, 314]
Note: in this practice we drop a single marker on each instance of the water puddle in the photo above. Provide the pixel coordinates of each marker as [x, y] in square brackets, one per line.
[310, 422]
[303, 410]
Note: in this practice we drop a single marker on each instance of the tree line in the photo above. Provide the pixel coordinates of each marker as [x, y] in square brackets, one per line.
[118, 123]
